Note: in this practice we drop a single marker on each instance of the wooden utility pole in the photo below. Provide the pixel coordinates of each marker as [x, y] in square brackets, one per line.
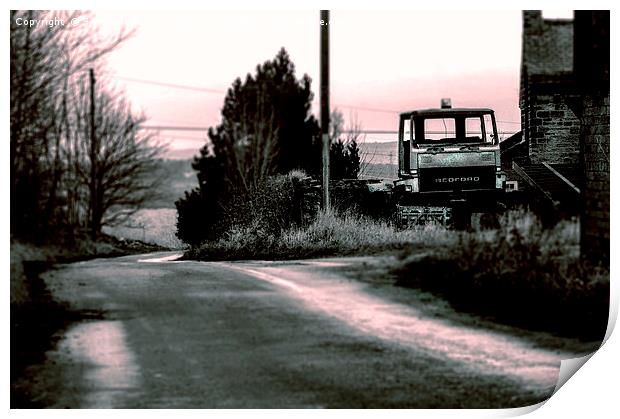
[325, 104]
[93, 159]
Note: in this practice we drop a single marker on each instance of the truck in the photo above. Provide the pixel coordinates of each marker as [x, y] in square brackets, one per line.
[448, 166]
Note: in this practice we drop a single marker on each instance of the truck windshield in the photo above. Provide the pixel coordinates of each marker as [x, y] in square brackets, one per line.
[454, 130]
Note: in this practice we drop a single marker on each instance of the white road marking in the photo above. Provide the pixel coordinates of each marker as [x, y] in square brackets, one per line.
[261, 275]
[169, 258]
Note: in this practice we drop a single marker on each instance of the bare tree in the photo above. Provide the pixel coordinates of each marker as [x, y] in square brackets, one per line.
[121, 163]
[50, 137]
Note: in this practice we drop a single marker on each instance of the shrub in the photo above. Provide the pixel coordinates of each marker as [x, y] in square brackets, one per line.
[199, 217]
[269, 208]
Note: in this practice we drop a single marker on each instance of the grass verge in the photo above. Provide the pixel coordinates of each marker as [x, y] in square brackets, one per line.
[328, 235]
[520, 275]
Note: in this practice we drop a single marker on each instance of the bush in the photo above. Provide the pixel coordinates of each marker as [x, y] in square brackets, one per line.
[197, 218]
[271, 207]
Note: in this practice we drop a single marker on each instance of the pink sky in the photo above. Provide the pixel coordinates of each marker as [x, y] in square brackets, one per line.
[393, 61]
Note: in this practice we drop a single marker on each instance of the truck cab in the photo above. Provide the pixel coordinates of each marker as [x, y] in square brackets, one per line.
[449, 160]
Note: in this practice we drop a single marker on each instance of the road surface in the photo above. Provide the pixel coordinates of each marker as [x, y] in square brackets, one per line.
[184, 334]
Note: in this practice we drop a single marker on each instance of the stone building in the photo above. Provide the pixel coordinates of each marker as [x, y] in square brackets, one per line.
[545, 156]
[562, 153]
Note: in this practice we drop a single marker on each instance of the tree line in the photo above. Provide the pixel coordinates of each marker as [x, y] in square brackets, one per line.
[79, 159]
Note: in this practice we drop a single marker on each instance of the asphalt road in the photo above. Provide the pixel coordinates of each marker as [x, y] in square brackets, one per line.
[274, 335]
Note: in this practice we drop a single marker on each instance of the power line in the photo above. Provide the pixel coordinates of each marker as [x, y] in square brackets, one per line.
[373, 153]
[173, 128]
[218, 91]
[176, 121]
[377, 131]
[182, 137]
[196, 128]
[172, 85]
[363, 108]
[208, 90]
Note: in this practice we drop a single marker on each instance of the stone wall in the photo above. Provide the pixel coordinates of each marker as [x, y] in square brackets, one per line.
[553, 130]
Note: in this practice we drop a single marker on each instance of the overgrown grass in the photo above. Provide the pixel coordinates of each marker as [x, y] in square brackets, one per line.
[520, 274]
[23, 254]
[328, 235]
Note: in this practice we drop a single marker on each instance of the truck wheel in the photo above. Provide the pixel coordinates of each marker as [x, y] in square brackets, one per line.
[461, 218]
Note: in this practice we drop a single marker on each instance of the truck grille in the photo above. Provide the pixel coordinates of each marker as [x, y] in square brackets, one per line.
[457, 178]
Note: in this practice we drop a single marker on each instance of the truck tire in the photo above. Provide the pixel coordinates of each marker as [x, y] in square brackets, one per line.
[461, 218]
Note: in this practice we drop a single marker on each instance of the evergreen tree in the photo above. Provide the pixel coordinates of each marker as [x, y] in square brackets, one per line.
[353, 163]
[344, 151]
[266, 129]
[266, 125]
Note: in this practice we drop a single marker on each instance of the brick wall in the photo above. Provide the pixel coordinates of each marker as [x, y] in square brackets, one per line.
[592, 54]
[595, 137]
[553, 130]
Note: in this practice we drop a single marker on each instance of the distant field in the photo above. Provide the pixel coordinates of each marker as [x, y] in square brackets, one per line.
[379, 153]
[378, 160]
[378, 171]
[156, 226]
[177, 176]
